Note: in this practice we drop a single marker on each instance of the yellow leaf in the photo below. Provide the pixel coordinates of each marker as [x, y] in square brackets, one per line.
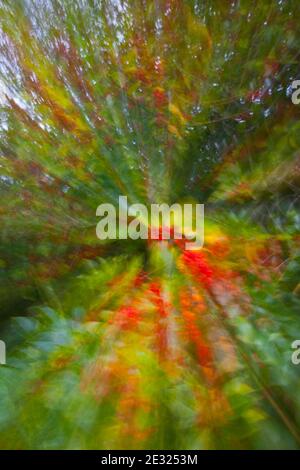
[176, 111]
[173, 130]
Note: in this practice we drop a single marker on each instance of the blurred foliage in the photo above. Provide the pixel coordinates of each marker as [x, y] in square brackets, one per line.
[131, 344]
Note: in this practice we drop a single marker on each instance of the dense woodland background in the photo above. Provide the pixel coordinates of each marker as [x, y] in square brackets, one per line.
[132, 344]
